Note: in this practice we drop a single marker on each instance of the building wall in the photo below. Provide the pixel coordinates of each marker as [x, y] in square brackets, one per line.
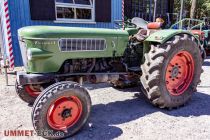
[1, 45]
[20, 17]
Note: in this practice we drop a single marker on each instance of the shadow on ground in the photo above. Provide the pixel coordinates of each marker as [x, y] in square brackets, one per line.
[103, 117]
[206, 62]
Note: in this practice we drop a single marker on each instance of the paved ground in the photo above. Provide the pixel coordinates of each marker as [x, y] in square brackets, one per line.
[120, 115]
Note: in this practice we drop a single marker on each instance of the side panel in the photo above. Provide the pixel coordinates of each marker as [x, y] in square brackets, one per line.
[49, 58]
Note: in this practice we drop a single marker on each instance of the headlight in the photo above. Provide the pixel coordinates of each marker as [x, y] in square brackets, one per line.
[29, 54]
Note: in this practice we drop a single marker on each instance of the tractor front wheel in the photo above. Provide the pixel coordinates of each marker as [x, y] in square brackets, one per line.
[171, 72]
[61, 110]
[27, 93]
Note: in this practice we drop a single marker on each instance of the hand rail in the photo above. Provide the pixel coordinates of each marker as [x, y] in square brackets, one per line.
[189, 20]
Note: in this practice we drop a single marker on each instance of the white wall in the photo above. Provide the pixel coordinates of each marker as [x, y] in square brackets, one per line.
[2, 32]
[1, 45]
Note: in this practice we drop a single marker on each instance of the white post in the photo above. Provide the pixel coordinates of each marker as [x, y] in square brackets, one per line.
[123, 14]
[181, 13]
[155, 9]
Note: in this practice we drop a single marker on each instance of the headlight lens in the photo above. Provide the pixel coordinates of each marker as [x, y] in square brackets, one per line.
[29, 54]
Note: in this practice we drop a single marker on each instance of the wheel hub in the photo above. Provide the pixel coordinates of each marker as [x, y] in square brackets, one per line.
[179, 73]
[175, 72]
[64, 112]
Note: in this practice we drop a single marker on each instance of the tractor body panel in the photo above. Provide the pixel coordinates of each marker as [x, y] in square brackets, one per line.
[47, 47]
[162, 36]
[65, 32]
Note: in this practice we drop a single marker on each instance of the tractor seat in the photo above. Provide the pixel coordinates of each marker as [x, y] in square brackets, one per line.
[151, 28]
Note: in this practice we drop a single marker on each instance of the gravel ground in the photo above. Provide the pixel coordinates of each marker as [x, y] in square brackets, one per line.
[120, 114]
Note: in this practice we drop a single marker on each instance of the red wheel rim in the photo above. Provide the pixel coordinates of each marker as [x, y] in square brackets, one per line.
[31, 91]
[179, 73]
[64, 112]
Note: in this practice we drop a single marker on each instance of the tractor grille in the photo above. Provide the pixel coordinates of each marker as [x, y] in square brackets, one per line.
[82, 44]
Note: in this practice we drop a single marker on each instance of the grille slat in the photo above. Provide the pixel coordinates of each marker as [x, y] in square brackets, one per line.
[82, 44]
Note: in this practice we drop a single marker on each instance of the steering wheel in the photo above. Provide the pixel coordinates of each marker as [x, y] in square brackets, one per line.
[127, 24]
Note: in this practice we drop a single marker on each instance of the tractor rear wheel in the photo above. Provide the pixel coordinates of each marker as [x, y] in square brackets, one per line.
[61, 110]
[27, 93]
[171, 72]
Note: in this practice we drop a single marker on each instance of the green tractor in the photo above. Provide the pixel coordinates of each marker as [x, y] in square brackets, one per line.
[206, 29]
[166, 63]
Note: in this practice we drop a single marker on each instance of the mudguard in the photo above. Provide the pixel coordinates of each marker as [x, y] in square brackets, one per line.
[164, 35]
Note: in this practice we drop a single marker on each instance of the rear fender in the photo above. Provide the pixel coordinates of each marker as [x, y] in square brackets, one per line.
[162, 36]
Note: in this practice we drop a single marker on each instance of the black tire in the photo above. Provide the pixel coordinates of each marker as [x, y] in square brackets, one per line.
[50, 95]
[23, 95]
[154, 70]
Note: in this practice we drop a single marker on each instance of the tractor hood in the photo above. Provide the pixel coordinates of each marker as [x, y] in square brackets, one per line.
[42, 32]
[45, 48]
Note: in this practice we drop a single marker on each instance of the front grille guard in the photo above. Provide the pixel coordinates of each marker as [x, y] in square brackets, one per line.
[82, 44]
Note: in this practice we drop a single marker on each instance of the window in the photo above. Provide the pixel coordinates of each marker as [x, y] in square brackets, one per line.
[75, 10]
[145, 8]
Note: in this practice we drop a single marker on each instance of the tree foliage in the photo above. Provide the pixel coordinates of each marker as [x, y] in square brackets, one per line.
[202, 8]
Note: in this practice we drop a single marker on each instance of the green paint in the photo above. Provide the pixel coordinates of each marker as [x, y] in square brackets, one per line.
[67, 32]
[163, 35]
[42, 41]
[131, 31]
